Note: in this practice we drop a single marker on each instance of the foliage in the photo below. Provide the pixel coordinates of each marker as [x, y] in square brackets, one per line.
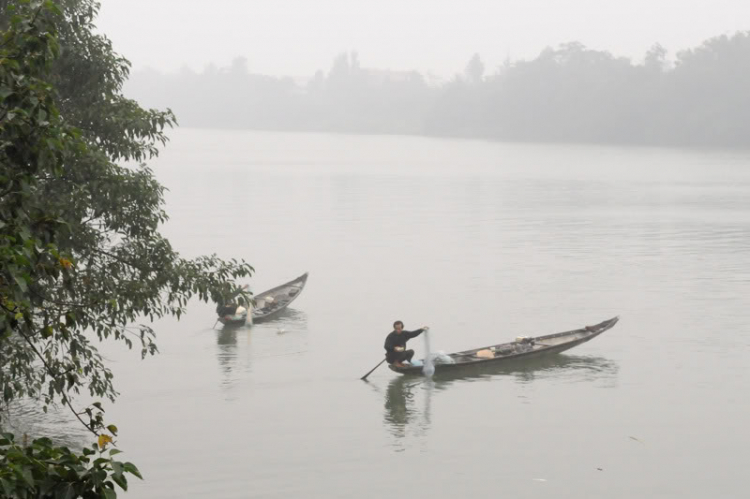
[44, 470]
[81, 255]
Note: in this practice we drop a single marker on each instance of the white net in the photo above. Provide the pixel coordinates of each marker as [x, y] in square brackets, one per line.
[428, 369]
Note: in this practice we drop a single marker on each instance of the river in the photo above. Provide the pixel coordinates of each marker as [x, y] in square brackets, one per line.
[483, 242]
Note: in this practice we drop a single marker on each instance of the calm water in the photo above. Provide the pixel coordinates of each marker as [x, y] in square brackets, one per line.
[483, 242]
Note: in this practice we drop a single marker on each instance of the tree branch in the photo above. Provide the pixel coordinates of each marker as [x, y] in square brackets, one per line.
[55, 375]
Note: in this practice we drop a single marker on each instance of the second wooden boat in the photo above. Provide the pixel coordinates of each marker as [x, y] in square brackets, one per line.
[273, 301]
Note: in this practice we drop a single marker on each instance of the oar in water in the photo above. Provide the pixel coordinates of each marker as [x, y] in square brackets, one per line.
[371, 371]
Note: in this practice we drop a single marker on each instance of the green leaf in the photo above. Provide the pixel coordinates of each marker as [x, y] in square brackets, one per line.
[117, 468]
[121, 481]
[66, 492]
[131, 468]
[21, 283]
[28, 477]
[48, 484]
[7, 487]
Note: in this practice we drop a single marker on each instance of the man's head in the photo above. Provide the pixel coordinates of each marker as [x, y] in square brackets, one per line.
[398, 326]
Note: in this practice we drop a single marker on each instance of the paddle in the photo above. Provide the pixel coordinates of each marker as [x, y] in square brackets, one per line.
[371, 371]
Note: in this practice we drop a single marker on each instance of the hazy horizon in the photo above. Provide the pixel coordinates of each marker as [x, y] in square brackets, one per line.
[435, 38]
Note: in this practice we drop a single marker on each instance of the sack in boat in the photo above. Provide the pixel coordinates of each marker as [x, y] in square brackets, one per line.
[442, 358]
[486, 354]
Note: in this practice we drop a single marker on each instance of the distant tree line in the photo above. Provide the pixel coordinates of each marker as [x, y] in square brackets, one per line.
[567, 94]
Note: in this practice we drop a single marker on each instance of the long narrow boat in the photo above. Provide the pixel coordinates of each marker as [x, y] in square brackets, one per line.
[268, 303]
[273, 301]
[521, 348]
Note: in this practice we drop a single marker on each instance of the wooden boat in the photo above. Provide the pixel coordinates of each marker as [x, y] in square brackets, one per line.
[268, 303]
[277, 299]
[522, 348]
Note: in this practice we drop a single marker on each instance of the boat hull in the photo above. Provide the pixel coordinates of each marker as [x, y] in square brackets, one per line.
[234, 320]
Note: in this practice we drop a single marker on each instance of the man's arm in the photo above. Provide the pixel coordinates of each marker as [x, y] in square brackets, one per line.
[389, 343]
[413, 334]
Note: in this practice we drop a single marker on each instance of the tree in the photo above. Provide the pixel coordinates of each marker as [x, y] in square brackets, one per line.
[474, 70]
[37, 147]
[40, 469]
[656, 58]
[238, 67]
[81, 255]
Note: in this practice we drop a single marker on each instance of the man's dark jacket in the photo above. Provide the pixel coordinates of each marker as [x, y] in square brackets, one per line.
[395, 339]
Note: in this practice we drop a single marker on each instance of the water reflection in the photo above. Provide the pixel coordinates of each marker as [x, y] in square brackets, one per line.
[26, 421]
[288, 315]
[226, 353]
[564, 367]
[402, 406]
[408, 399]
[236, 348]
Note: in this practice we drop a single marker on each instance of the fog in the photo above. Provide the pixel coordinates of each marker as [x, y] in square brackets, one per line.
[297, 38]
[566, 94]
[654, 73]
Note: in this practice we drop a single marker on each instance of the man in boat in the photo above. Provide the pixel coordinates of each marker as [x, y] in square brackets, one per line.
[233, 305]
[395, 345]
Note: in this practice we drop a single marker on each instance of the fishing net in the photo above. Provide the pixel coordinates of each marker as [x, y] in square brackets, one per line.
[428, 369]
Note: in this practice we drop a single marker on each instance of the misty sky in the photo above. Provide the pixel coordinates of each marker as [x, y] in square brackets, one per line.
[285, 37]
